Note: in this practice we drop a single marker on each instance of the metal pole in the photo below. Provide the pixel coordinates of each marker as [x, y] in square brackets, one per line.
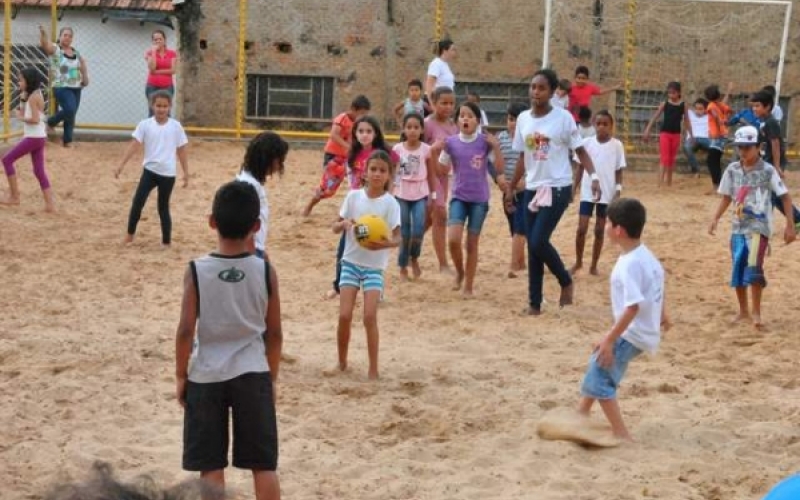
[782, 56]
[7, 67]
[548, 14]
[630, 48]
[437, 28]
[241, 66]
[53, 39]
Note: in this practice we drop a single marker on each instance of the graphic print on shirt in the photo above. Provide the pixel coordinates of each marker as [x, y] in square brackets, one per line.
[409, 165]
[752, 209]
[540, 144]
[477, 162]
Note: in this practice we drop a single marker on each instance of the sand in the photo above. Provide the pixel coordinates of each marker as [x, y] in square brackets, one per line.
[87, 347]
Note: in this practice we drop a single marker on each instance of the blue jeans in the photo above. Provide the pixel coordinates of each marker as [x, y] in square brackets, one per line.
[690, 149]
[150, 90]
[539, 227]
[412, 229]
[68, 100]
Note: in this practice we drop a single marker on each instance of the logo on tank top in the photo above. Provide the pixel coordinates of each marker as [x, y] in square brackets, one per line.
[231, 275]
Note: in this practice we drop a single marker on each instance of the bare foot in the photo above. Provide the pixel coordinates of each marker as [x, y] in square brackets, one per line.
[567, 294]
[757, 323]
[404, 275]
[8, 200]
[468, 294]
[594, 272]
[458, 281]
[372, 374]
[50, 208]
[741, 317]
[331, 294]
[532, 311]
[416, 271]
[69, 145]
[512, 274]
[626, 437]
[576, 267]
[128, 239]
[446, 270]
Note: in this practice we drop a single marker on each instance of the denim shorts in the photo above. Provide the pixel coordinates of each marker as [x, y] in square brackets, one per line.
[586, 209]
[473, 213]
[747, 252]
[602, 383]
[718, 144]
[356, 276]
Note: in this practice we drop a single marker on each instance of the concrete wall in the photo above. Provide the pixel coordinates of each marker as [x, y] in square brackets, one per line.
[369, 50]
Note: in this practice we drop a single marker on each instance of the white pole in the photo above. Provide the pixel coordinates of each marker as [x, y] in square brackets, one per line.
[548, 12]
[782, 57]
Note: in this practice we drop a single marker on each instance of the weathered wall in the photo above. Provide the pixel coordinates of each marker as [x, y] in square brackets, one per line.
[369, 51]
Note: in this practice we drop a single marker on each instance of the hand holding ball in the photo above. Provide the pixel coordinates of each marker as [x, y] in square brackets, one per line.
[370, 229]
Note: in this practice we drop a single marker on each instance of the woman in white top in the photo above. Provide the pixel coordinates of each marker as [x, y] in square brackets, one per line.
[31, 112]
[69, 77]
[439, 72]
[543, 138]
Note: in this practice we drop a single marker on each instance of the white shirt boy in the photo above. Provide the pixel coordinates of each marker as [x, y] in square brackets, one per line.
[638, 279]
[161, 143]
[608, 157]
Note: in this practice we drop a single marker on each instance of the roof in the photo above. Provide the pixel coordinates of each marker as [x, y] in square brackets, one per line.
[154, 5]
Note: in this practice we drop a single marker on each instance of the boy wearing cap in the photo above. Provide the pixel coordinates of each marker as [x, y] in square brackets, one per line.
[749, 184]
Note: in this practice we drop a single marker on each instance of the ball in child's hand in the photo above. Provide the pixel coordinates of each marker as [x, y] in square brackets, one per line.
[370, 229]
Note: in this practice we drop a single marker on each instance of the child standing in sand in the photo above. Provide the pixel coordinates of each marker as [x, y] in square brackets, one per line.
[231, 301]
[163, 140]
[637, 301]
[362, 267]
[749, 184]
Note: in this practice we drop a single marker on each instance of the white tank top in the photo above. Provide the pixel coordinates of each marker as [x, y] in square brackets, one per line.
[36, 130]
[232, 305]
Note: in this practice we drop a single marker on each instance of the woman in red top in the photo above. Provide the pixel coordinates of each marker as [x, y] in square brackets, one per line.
[161, 65]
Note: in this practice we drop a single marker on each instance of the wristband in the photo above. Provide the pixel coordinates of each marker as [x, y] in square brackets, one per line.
[433, 196]
[619, 188]
[594, 177]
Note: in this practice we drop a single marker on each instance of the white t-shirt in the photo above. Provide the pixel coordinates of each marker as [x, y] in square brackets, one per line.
[261, 235]
[560, 102]
[161, 143]
[357, 204]
[699, 124]
[546, 142]
[638, 278]
[441, 71]
[607, 157]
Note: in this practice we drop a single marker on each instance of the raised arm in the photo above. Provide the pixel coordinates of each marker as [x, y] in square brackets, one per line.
[47, 46]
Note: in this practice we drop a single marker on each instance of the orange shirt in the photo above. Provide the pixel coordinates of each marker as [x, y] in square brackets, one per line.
[345, 132]
[723, 111]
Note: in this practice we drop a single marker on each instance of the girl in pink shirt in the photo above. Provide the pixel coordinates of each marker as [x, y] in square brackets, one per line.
[416, 179]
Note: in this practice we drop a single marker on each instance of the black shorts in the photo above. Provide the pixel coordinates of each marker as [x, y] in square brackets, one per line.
[205, 424]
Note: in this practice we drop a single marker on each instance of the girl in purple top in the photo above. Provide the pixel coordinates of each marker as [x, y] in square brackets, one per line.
[468, 155]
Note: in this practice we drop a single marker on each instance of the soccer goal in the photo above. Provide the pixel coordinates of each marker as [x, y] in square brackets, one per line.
[643, 44]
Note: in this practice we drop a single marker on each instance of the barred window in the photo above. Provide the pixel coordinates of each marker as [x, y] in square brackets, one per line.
[495, 97]
[289, 97]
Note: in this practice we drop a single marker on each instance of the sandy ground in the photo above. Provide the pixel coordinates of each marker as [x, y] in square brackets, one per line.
[87, 349]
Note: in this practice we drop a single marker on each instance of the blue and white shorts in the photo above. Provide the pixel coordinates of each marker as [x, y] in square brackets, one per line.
[365, 278]
[602, 383]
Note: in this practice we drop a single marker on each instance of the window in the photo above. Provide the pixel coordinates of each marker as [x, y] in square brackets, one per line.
[495, 97]
[23, 56]
[289, 97]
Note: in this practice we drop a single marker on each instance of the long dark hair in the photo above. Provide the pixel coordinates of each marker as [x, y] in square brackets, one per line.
[378, 142]
[263, 150]
[33, 80]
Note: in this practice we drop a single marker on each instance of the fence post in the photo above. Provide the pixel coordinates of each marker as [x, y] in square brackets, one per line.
[240, 65]
[437, 20]
[630, 48]
[53, 39]
[7, 67]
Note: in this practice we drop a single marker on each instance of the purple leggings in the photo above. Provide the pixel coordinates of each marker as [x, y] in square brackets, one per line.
[34, 146]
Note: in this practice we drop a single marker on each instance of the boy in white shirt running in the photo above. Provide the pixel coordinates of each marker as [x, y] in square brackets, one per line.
[637, 302]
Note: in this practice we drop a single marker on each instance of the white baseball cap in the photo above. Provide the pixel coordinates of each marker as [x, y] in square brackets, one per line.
[746, 136]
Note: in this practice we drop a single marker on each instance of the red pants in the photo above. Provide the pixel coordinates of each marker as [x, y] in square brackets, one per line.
[669, 143]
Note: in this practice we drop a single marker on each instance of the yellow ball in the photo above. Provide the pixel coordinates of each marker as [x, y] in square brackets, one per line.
[370, 228]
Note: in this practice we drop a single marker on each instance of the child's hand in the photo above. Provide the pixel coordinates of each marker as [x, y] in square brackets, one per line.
[789, 234]
[379, 245]
[713, 226]
[347, 225]
[605, 353]
[646, 136]
[180, 391]
[117, 172]
[185, 181]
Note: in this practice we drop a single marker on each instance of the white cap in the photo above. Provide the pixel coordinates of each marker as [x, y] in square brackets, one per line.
[746, 136]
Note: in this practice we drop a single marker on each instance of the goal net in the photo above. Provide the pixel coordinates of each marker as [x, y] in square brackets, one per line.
[642, 45]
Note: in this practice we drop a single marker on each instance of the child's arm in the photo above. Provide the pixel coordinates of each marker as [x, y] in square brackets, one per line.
[577, 178]
[605, 348]
[666, 324]
[274, 334]
[789, 233]
[499, 162]
[436, 153]
[727, 95]
[133, 146]
[618, 182]
[336, 136]
[184, 159]
[588, 165]
[342, 225]
[687, 123]
[386, 243]
[606, 90]
[433, 181]
[398, 112]
[646, 136]
[184, 337]
[724, 203]
[775, 144]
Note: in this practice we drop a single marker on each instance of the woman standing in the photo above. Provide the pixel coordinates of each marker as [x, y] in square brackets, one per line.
[161, 65]
[543, 139]
[69, 77]
[439, 72]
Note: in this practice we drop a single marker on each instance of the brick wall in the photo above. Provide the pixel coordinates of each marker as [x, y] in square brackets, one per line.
[368, 51]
